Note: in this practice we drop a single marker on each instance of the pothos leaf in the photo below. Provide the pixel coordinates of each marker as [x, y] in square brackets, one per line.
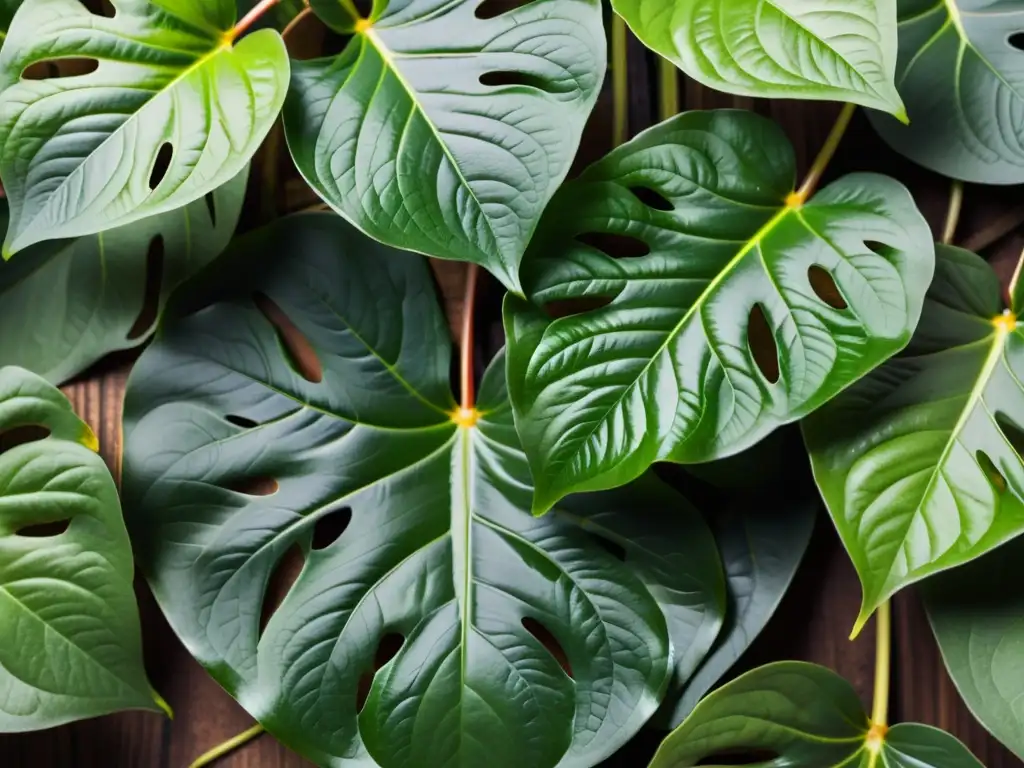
[841, 50]
[919, 462]
[725, 306]
[64, 305]
[305, 402]
[448, 144]
[172, 110]
[70, 640]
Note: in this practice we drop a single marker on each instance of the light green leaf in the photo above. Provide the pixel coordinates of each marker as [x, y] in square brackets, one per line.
[441, 132]
[723, 308]
[172, 112]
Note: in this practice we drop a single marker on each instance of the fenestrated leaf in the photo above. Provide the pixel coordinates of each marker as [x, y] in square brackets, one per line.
[172, 111]
[806, 716]
[441, 132]
[919, 462]
[961, 74]
[840, 50]
[326, 398]
[70, 641]
[729, 311]
[66, 304]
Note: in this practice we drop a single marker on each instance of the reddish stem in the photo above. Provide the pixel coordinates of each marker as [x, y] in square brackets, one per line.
[296, 21]
[466, 347]
[251, 17]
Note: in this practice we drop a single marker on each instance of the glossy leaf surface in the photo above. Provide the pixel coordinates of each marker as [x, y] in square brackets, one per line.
[840, 50]
[445, 129]
[65, 305]
[171, 111]
[806, 716]
[707, 311]
[919, 462]
[70, 640]
[961, 74]
[323, 405]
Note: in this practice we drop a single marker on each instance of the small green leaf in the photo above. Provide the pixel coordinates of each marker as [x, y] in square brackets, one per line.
[840, 50]
[919, 462]
[70, 639]
[172, 111]
[698, 307]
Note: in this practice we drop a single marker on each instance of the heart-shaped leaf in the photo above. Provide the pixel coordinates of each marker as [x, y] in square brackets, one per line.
[70, 640]
[445, 625]
[919, 463]
[66, 304]
[443, 128]
[804, 716]
[722, 311]
[961, 74]
[135, 115]
[841, 50]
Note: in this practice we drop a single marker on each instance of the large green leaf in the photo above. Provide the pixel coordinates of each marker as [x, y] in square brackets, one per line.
[840, 50]
[919, 462]
[961, 74]
[266, 437]
[441, 132]
[747, 312]
[806, 716]
[173, 111]
[64, 305]
[70, 641]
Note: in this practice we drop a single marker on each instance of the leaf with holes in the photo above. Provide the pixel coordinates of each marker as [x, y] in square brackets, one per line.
[448, 144]
[961, 74]
[839, 50]
[64, 305]
[135, 115]
[446, 625]
[920, 462]
[697, 305]
[70, 640]
[801, 716]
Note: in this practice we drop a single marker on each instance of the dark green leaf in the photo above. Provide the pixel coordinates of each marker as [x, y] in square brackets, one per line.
[725, 308]
[7, 9]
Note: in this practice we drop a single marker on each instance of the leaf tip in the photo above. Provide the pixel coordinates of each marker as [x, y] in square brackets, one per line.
[89, 439]
[162, 703]
[858, 625]
[901, 115]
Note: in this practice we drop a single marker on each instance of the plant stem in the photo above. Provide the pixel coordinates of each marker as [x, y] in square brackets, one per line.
[883, 656]
[669, 80]
[290, 27]
[620, 82]
[956, 201]
[825, 155]
[228, 746]
[466, 345]
[250, 18]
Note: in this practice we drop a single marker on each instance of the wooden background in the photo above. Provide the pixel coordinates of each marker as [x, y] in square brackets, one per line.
[812, 623]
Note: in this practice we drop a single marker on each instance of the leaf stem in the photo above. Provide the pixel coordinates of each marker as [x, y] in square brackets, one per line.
[228, 746]
[668, 78]
[620, 82]
[956, 201]
[250, 18]
[466, 345]
[291, 25]
[883, 656]
[825, 155]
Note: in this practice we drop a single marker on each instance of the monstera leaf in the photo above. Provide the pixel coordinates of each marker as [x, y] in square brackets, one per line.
[961, 74]
[65, 305]
[806, 716]
[841, 50]
[172, 110]
[711, 305]
[70, 641]
[448, 143]
[919, 463]
[445, 625]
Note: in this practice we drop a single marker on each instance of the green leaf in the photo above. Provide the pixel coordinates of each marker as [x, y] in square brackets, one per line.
[441, 132]
[323, 404]
[172, 112]
[66, 304]
[919, 463]
[745, 312]
[7, 10]
[70, 640]
[962, 79]
[806, 716]
[839, 50]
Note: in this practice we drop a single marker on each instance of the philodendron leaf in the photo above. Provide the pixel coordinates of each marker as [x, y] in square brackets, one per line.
[722, 310]
[164, 109]
[445, 625]
[805, 716]
[919, 462]
[66, 304]
[840, 50]
[70, 640]
[443, 128]
[961, 74]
